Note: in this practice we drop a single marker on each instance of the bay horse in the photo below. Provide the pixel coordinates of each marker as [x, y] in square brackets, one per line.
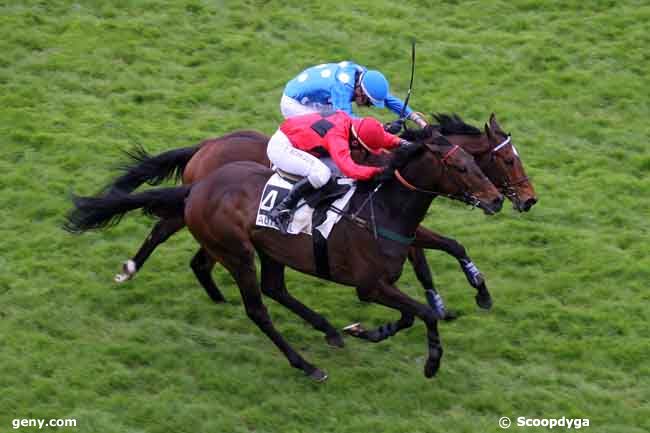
[220, 212]
[492, 149]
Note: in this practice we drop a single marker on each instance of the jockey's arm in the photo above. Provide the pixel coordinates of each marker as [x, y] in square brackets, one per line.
[395, 105]
[339, 150]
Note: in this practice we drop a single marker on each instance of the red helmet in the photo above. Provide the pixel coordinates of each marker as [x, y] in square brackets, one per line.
[371, 135]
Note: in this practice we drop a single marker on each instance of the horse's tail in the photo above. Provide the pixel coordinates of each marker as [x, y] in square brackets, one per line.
[107, 210]
[151, 169]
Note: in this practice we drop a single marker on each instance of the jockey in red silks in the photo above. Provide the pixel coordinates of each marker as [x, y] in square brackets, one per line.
[297, 144]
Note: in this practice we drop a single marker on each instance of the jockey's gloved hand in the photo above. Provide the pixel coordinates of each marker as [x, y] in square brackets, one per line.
[387, 174]
[394, 127]
[405, 144]
[418, 118]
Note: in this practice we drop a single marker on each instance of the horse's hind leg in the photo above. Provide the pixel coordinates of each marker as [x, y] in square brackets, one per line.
[392, 297]
[159, 234]
[273, 286]
[381, 332]
[243, 271]
[202, 266]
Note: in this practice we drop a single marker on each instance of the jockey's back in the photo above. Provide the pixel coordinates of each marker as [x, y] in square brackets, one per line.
[313, 131]
[328, 84]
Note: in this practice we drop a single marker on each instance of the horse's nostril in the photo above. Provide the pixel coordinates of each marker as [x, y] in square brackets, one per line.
[529, 203]
[497, 203]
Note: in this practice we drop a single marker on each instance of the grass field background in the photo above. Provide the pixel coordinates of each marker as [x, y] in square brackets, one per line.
[568, 335]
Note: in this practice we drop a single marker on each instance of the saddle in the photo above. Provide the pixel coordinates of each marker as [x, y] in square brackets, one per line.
[321, 198]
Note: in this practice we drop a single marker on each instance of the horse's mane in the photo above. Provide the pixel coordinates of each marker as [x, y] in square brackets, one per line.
[448, 124]
[453, 124]
[404, 154]
[419, 135]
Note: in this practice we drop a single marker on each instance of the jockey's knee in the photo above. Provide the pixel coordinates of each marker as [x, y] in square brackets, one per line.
[319, 175]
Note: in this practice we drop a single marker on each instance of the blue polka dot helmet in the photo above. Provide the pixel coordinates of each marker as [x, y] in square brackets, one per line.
[375, 86]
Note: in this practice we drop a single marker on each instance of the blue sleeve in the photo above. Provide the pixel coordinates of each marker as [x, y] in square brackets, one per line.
[342, 98]
[395, 104]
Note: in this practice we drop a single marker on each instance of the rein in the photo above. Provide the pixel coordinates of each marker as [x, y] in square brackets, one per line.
[389, 234]
[371, 225]
[465, 197]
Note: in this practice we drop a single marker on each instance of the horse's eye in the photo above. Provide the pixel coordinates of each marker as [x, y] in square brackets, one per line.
[462, 169]
[510, 161]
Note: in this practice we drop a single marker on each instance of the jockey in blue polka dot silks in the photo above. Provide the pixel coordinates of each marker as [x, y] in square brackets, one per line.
[333, 86]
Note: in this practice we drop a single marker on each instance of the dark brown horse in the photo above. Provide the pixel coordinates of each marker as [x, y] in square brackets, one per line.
[498, 161]
[220, 212]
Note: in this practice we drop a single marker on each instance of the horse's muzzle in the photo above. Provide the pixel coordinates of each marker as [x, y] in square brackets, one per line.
[526, 205]
[492, 207]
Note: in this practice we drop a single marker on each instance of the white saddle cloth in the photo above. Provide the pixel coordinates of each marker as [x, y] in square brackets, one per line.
[277, 188]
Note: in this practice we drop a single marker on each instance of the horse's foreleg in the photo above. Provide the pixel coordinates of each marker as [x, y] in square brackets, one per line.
[427, 239]
[202, 266]
[160, 233]
[423, 273]
[273, 286]
[392, 297]
[243, 271]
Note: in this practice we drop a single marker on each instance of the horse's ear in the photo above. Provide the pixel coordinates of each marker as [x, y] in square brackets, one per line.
[488, 131]
[494, 125]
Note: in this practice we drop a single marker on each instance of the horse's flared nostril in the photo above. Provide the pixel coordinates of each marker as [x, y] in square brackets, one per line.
[497, 203]
[529, 204]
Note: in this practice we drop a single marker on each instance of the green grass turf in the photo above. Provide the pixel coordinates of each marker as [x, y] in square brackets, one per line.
[568, 335]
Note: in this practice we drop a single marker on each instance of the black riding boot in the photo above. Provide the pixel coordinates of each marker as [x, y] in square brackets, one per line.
[281, 213]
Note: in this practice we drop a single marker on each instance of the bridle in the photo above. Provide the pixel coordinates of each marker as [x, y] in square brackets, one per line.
[464, 196]
[506, 185]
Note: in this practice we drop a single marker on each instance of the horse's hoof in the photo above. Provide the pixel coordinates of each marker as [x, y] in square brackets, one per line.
[354, 330]
[318, 375]
[128, 271]
[121, 278]
[450, 315]
[335, 340]
[484, 301]
[431, 368]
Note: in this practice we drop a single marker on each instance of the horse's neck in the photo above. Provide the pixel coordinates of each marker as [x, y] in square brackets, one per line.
[395, 207]
[367, 158]
[405, 208]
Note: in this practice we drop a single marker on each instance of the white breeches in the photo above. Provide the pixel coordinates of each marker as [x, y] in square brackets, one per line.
[295, 161]
[290, 107]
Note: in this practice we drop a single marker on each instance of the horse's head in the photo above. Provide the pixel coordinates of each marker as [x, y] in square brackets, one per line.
[504, 167]
[495, 154]
[439, 167]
